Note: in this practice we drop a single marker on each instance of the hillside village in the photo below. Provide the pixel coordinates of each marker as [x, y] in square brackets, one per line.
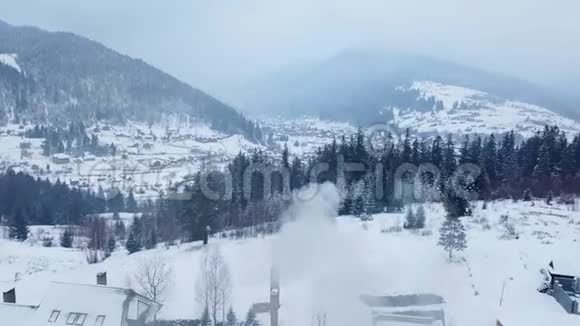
[148, 160]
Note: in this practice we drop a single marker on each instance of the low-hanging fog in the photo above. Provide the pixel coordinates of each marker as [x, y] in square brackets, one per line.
[218, 45]
[312, 250]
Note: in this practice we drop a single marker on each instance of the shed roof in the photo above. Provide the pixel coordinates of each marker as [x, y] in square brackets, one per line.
[15, 314]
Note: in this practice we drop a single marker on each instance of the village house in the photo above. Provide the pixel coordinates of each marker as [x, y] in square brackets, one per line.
[60, 158]
[68, 304]
[88, 157]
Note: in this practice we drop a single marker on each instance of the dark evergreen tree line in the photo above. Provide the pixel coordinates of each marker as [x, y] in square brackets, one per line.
[36, 201]
[545, 164]
[73, 140]
[541, 165]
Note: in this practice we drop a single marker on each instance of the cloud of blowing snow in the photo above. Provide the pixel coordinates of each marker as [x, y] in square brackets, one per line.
[312, 249]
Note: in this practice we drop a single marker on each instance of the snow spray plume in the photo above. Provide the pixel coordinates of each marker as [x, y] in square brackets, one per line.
[313, 250]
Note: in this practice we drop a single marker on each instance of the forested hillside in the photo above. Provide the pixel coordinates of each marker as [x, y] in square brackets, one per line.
[56, 77]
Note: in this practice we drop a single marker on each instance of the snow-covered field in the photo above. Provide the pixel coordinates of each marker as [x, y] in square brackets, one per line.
[469, 111]
[327, 262]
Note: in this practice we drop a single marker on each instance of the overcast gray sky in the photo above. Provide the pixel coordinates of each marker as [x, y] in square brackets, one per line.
[216, 44]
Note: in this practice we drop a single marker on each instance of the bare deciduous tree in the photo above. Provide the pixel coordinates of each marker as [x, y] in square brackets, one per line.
[153, 277]
[214, 286]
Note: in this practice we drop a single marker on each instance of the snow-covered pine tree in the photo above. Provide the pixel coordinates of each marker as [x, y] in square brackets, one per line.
[420, 217]
[452, 235]
[119, 230]
[18, 228]
[152, 239]
[452, 232]
[543, 166]
[549, 198]
[134, 241]
[66, 238]
[455, 205]
[111, 244]
[410, 220]
[358, 195]
[369, 200]
[527, 195]
[251, 319]
[231, 319]
[131, 205]
[358, 206]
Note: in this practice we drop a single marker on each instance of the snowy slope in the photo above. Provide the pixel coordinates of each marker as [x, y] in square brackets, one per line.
[10, 60]
[468, 111]
[327, 263]
[153, 157]
[305, 135]
[150, 158]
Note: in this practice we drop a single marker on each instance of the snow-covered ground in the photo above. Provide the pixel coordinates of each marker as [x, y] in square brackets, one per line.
[152, 158]
[471, 111]
[149, 160]
[9, 59]
[306, 135]
[326, 263]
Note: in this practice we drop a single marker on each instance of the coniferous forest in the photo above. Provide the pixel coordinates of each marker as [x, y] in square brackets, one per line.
[545, 165]
[41, 202]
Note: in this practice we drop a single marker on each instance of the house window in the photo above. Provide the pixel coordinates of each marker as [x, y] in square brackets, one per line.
[72, 317]
[76, 319]
[54, 316]
[81, 320]
[100, 320]
[142, 307]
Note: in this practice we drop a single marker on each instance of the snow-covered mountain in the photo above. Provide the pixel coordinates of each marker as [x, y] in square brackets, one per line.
[356, 85]
[55, 77]
[440, 108]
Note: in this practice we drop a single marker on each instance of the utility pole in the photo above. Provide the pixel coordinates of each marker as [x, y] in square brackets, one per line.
[274, 295]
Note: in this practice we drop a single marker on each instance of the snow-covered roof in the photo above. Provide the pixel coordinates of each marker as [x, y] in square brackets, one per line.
[15, 313]
[92, 301]
[5, 286]
[61, 156]
[565, 267]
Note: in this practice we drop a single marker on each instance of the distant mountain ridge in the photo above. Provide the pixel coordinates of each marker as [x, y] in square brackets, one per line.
[435, 108]
[63, 76]
[356, 85]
